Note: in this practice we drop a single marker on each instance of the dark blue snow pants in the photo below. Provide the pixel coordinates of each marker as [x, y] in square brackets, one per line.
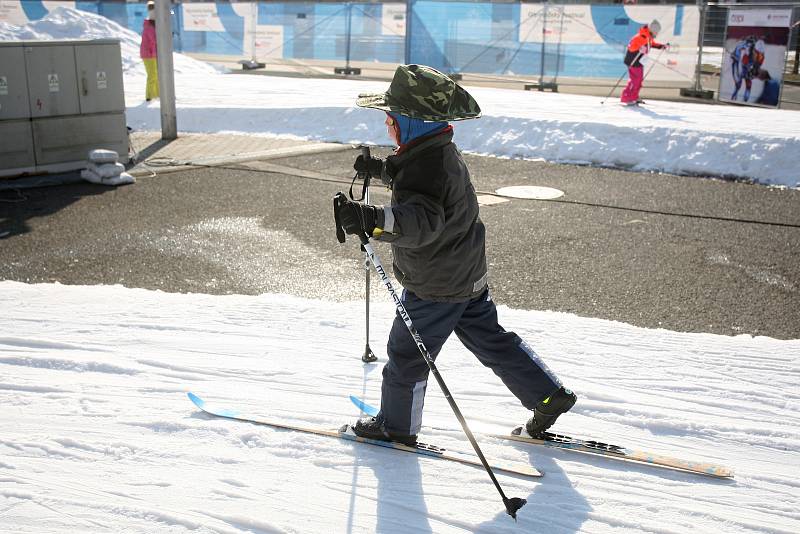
[405, 377]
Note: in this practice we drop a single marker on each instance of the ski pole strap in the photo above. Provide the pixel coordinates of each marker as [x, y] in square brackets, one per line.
[364, 176]
[338, 200]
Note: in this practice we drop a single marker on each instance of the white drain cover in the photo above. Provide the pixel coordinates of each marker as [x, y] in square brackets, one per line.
[530, 191]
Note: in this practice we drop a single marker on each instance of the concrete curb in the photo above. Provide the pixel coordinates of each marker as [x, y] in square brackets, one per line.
[145, 170]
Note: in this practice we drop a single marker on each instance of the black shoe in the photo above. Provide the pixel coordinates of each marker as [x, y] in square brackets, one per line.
[639, 101]
[547, 411]
[373, 428]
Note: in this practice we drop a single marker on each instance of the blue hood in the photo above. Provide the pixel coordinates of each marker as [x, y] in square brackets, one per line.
[411, 129]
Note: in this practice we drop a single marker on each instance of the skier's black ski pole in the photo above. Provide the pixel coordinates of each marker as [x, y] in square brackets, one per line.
[368, 356]
[653, 64]
[512, 504]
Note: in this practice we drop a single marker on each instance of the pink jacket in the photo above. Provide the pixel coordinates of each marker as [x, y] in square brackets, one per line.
[148, 47]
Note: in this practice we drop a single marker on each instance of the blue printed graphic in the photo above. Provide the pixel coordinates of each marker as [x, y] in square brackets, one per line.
[34, 9]
[613, 24]
[452, 36]
[677, 27]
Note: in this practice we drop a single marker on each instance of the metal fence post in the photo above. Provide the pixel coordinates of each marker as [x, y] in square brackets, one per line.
[544, 43]
[543, 85]
[697, 91]
[253, 28]
[347, 69]
[409, 17]
[251, 25]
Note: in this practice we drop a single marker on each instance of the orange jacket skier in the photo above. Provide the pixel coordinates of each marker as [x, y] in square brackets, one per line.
[639, 45]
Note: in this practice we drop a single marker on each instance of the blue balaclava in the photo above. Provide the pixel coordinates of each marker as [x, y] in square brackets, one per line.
[411, 129]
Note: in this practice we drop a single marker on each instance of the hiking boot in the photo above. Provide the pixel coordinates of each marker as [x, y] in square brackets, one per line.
[373, 428]
[547, 411]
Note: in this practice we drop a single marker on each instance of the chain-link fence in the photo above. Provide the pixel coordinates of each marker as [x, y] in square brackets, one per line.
[544, 45]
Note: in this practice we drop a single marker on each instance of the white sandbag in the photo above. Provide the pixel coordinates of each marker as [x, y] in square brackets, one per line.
[120, 179]
[107, 170]
[91, 176]
[101, 155]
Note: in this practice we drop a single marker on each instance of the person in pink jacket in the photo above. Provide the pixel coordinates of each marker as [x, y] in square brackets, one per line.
[147, 51]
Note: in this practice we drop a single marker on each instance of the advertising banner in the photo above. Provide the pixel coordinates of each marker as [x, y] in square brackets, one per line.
[201, 18]
[599, 34]
[754, 56]
[393, 19]
[269, 41]
[11, 12]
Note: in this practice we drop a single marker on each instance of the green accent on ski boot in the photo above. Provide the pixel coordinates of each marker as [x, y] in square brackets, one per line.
[547, 411]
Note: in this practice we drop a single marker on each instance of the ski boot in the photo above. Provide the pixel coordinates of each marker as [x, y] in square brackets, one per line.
[547, 411]
[373, 428]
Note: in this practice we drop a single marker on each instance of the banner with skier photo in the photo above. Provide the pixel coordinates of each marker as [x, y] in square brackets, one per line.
[754, 56]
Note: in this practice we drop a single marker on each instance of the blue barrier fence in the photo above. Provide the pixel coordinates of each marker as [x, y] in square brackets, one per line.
[453, 36]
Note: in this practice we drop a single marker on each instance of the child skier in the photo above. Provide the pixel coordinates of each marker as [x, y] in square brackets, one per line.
[438, 244]
[638, 47]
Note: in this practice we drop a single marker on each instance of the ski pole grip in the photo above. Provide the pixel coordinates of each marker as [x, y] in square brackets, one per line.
[366, 155]
[338, 200]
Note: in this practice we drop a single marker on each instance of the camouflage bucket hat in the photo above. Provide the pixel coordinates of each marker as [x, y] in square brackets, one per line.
[424, 93]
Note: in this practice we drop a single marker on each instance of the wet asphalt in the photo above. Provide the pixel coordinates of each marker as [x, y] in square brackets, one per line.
[688, 254]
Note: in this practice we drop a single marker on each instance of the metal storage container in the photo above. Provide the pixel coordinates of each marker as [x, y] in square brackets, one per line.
[52, 83]
[99, 72]
[13, 84]
[58, 101]
[64, 140]
[16, 149]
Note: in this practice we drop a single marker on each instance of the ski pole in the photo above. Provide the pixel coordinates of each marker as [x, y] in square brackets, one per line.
[638, 55]
[368, 356]
[511, 504]
[653, 64]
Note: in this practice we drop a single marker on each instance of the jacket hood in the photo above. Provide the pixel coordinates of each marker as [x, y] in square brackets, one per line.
[411, 129]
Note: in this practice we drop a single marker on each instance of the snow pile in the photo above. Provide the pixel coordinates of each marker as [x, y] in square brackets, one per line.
[9, 32]
[98, 435]
[66, 23]
[676, 137]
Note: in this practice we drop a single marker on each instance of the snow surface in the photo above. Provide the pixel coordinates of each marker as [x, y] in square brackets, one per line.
[98, 435]
[755, 144]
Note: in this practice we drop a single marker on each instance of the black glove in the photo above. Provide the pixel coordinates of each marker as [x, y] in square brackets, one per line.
[372, 165]
[356, 218]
